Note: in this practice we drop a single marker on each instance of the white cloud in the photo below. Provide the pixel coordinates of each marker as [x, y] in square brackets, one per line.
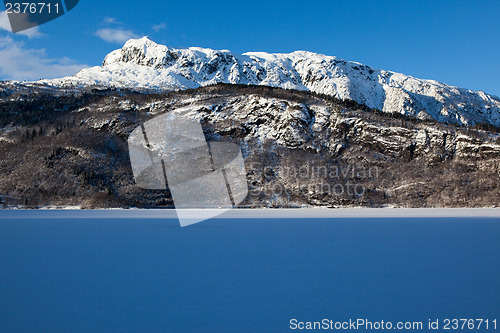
[112, 35]
[110, 20]
[5, 25]
[160, 27]
[20, 63]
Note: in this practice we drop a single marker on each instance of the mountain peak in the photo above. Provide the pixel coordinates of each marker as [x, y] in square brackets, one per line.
[140, 42]
[142, 51]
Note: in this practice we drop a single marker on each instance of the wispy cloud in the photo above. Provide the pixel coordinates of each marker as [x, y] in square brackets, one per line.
[115, 35]
[5, 26]
[110, 20]
[112, 31]
[160, 27]
[20, 63]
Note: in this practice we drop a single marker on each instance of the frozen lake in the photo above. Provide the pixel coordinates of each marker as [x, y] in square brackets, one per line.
[138, 271]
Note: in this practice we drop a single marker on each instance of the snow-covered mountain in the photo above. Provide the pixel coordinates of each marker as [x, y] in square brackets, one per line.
[143, 64]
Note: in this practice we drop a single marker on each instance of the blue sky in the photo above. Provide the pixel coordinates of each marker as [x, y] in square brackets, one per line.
[456, 42]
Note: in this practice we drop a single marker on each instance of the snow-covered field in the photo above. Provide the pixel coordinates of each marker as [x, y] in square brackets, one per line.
[301, 213]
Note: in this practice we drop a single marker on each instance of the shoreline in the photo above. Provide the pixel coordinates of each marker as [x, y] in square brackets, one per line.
[268, 213]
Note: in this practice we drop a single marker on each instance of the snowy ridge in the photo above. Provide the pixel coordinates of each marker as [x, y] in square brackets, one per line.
[142, 63]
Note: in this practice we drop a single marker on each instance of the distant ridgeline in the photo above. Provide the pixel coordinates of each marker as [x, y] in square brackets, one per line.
[143, 64]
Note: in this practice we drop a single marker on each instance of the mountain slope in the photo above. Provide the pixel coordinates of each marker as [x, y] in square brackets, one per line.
[143, 64]
[300, 149]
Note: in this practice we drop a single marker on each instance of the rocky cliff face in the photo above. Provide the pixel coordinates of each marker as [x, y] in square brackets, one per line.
[300, 149]
[143, 64]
